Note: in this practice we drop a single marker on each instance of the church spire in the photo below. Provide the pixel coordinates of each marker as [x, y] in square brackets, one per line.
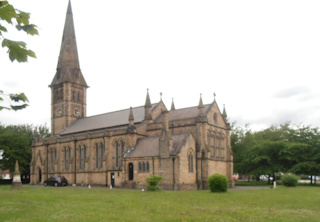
[68, 68]
[68, 87]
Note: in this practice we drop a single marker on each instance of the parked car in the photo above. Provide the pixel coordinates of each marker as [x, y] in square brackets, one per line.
[56, 181]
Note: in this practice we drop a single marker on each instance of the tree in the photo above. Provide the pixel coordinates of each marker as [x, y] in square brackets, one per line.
[285, 148]
[241, 143]
[17, 49]
[15, 143]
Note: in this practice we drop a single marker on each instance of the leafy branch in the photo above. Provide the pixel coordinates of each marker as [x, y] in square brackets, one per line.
[13, 98]
[17, 50]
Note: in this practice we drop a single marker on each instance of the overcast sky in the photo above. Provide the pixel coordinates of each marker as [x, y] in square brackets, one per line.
[261, 58]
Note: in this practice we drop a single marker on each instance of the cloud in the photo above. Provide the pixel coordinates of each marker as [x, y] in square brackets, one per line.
[292, 92]
[11, 84]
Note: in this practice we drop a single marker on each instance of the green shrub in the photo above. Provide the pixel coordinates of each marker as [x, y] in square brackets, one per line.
[289, 180]
[218, 183]
[153, 182]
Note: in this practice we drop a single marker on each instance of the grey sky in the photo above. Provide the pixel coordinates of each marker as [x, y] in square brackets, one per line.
[260, 57]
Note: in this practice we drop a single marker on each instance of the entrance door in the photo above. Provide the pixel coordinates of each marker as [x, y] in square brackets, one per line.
[130, 171]
[39, 175]
[112, 179]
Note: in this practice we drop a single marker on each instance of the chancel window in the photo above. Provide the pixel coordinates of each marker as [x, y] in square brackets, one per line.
[215, 145]
[80, 157]
[147, 166]
[122, 148]
[84, 156]
[67, 154]
[117, 154]
[51, 160]
[102, 153]
[97, 155]
[65, 158]
[190, 162]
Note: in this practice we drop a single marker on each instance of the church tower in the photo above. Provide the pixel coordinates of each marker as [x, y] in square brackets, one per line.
[68, 87]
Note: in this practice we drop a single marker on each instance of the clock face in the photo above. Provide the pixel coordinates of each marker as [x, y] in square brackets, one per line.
[59, 112]
[76, 112]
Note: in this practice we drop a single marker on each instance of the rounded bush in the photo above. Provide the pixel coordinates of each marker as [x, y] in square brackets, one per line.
[153, 182]
[218, 183]
[289, 180]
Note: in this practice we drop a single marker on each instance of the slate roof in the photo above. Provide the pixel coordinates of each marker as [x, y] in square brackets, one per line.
[179, 141]
[149, 147]
[186, 113]
[145, 147]
[107, 120]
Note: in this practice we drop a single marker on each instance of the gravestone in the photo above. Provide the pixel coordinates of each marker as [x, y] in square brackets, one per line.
[16, 182]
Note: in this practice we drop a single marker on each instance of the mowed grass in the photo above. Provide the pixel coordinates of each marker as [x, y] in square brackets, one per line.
[72, 204]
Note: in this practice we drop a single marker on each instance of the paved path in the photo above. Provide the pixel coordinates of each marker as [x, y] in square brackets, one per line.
[104, 187]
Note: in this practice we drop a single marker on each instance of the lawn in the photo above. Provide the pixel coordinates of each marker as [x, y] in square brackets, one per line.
[70, 204]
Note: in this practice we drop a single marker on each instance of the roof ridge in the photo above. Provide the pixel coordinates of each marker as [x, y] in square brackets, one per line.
[115, 111]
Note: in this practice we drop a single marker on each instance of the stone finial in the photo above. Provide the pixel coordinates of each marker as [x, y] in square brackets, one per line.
[202, 117]
[131, 128]
[147, 108]
[172, 105]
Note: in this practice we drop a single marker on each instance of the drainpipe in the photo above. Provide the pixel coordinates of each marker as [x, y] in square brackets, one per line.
[174, 179]
[75, 161]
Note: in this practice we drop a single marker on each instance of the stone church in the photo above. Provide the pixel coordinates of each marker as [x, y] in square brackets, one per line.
[123, 148]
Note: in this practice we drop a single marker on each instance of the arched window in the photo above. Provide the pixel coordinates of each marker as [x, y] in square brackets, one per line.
[190, 162]
[215, 145]
[80, 158]
[84, 156]
[117, 154]
[97, 155]
[220, 145]
[143, 166]
[65, 158]
[102, 152]
[122, 148]
[147, 166]
[51, 159]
